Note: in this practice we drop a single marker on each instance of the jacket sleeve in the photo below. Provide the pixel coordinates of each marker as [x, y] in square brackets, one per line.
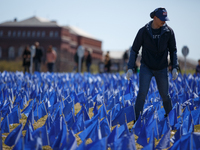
[173, 50]
[135, 48]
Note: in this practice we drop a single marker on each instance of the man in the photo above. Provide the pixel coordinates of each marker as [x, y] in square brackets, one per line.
[156, 39]
[38, 57]
[125, 60]
[198, 67]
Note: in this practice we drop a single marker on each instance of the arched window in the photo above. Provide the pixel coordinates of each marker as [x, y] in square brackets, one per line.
[20, 51]
[51, 33]
[0, 52]
[38, 33]
[11, 52]
[1, 33]
[24, 33]
[29, 33]
[43, 33]
[14, 33]
[9, 33]
[33, 34]
[19, 33]
[56, 34]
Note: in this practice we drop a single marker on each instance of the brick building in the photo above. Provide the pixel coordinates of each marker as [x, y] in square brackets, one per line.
[15, 35]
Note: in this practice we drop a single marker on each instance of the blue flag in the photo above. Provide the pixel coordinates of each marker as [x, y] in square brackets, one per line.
[142, 139]
[14, 136]
[98, 145]
[28, 136]
[113, 136]
[92, 131]
[104, 126]
[165, 141]
[14, 115]
[27, 110]
[20, 144]
[61, 139]
[30, 118]
[123, 130]
[5, 125]
[42, 131]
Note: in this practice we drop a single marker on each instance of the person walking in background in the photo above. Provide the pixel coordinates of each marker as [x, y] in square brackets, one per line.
[26, 59]
[125, 60]
[88, 59]
[156, 39]
[38, 57]
[107, 62]
[51, 58]
[76, 59]
[198, 67]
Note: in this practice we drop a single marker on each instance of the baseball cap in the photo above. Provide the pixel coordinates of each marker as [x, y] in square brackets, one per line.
[161, 13]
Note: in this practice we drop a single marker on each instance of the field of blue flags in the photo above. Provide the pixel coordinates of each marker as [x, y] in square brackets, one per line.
[105, 116]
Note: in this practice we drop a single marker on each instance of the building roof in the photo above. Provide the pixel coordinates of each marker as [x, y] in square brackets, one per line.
[77, 31]
[33, 21]
[42, 22]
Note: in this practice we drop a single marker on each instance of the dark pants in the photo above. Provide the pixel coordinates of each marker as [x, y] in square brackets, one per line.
[37, 65]
[88, 67]
[50, 67]
[161, 77]
[26, 69]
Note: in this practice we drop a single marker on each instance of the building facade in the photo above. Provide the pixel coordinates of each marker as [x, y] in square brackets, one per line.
[14, 36]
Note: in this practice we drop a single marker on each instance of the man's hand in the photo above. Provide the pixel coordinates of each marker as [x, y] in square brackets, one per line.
[129, 74]
[174, 74]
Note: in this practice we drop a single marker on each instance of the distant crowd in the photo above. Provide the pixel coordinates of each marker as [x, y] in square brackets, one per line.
[35, 58]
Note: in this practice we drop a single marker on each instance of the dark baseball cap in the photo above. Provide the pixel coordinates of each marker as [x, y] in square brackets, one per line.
[161, 13]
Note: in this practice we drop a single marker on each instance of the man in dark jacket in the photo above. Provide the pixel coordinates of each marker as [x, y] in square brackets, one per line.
[156, 39]
[38, 57]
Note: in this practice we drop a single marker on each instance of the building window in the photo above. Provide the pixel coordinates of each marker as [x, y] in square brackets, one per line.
[20, 51]
[14, 33]
[24, 33]
[1, 33]
[33, 34]
[38, 34]
[43, 33]
[11, 52]
[9, 33]
[56, 34]
[0, 52]
[51, 33]
[29, 33]
[19, 33]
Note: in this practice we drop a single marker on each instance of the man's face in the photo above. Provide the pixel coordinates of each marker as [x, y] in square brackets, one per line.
[159, 22]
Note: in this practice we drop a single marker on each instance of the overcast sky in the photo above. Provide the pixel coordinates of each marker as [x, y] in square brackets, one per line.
[114, 22]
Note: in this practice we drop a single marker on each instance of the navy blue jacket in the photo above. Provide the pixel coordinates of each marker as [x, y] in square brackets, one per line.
[153, 56]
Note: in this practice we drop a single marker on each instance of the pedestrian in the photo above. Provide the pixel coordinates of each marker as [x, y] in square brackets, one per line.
[26, 59]
[51, 58]
[88, 59]
[156, 39]
[125, 60]
[38, 57]
[198, 67]
[107, 62]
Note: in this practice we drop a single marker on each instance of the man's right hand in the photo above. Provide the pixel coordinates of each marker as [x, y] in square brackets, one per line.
[129, 74]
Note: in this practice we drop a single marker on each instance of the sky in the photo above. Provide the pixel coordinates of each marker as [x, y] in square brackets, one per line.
[114, 22]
